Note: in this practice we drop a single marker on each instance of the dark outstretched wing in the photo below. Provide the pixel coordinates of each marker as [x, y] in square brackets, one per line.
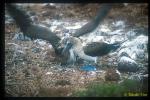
[20, 16]
[90, 26]
[32, 30]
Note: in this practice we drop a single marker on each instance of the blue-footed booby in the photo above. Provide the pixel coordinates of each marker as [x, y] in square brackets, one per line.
[91, 51]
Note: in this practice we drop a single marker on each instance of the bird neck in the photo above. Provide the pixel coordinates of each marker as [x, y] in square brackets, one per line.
[76, 41]
[72, 57]
[78, 50]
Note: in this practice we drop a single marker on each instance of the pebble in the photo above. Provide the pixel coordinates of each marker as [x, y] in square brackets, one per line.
[126, 64]
[21, 37]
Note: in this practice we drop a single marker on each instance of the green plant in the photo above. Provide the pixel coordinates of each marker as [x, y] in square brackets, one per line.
[102, 90]
[109, 89]
[132, 85]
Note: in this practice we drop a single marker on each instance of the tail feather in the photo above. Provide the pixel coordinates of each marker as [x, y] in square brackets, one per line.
[115, 46]
[22, 19]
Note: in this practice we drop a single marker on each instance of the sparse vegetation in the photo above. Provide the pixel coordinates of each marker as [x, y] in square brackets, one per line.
[110, 89]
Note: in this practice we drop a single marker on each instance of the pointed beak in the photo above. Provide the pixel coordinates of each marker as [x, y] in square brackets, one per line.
[67, 47]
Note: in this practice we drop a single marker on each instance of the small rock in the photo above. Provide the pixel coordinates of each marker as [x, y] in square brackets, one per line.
[140, 46]
[49, 73]
[91, 74]
[40, 42]
[141, 30]
[140, 54]
[36, 50]
[127, 64]
[112, 75]
[137, 77]
[21, 37]
[62, 82]
[119, 24]
[131, 34]
[34, 18]
[8, 19]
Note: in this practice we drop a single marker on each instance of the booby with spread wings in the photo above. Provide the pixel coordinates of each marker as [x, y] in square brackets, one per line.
[36, 31]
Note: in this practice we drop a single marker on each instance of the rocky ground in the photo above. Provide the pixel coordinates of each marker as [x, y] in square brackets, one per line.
[33, 69]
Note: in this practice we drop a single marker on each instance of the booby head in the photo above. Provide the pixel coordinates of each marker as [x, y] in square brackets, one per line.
[73, 40]
[70, 42]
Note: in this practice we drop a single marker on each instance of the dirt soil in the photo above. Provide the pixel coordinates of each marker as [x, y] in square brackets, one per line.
[28, 73]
